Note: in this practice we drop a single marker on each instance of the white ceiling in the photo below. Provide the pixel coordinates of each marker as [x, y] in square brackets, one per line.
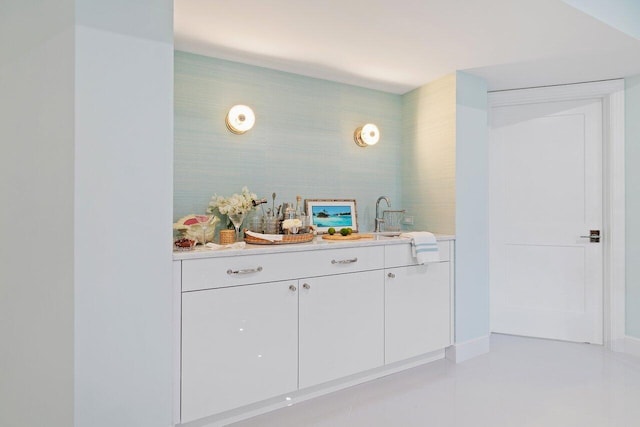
[398, 45]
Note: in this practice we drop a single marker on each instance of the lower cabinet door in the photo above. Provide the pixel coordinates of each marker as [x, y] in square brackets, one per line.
[239, 346]
[341, 326]
[417, 310]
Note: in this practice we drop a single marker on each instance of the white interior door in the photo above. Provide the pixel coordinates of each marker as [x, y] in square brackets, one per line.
[545, 193]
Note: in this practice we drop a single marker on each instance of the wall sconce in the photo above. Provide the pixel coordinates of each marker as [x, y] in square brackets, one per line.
[240, 119]
[366, 135]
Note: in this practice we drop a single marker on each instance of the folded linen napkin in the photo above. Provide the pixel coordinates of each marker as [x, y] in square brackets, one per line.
[236, 245]
[269, 237]
[423, 246]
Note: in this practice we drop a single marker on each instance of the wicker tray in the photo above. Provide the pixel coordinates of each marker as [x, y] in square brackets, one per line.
[287, 239]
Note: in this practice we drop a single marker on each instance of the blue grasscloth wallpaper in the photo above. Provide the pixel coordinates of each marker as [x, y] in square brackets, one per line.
[302, 142]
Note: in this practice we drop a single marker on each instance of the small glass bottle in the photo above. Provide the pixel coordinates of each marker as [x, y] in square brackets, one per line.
[299, 214]
[256, 223]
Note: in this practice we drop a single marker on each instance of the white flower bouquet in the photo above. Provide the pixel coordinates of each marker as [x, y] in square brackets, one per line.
[236, 204]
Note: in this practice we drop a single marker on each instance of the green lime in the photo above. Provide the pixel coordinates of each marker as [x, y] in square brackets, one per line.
[331, 231]
[350, 230]
[344, 231]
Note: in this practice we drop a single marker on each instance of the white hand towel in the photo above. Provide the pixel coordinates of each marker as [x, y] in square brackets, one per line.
[269, 237]
[423, 246]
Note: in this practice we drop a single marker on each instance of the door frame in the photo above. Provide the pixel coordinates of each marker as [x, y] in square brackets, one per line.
[611, 93]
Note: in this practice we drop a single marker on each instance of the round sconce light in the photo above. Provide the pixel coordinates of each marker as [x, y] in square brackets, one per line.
[240, 119]
[366, 135]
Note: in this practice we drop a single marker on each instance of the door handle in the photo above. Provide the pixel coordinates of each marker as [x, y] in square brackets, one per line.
[594, 236]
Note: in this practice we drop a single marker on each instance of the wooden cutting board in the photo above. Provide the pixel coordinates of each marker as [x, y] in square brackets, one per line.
[354, 236]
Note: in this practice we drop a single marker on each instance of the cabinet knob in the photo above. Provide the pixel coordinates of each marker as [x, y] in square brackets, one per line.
[391, 275]
[292, 288]
[306, 286]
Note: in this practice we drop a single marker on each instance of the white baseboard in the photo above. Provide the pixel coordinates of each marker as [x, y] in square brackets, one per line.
[460, 352]
[616, 345]
[632, 346]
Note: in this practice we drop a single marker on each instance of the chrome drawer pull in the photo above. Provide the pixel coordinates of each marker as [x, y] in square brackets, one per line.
[344, 261]
[231, 272]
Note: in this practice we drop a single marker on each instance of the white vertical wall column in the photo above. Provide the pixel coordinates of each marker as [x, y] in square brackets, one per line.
[36, 212]
[123, 213]
[445, 185]
[472, 217]
[632, 205]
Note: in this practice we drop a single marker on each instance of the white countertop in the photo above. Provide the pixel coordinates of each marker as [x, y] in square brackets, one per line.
[317, 244]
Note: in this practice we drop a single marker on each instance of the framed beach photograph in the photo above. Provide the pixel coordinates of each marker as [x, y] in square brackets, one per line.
[336, 213]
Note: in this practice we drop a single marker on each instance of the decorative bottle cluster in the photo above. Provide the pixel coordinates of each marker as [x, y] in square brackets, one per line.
[282, 219]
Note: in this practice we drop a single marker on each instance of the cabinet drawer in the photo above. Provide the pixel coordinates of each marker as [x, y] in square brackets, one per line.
[222, 272]
[344, 260]
[212, 273]
[401, 255]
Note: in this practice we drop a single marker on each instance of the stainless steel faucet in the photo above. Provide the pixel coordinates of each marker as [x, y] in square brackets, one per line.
[379, 219]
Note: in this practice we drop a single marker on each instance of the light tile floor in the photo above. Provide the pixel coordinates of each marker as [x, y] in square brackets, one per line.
[522, 382]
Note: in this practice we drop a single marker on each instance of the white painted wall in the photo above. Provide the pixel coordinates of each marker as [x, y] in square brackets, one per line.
[123, 213]
[86, 124]
[36, 205]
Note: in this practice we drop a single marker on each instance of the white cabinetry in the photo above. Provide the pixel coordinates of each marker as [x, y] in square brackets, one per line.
[418, 302]
[341, 326]
[239, 346]
[256, 327]
[417, 313]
